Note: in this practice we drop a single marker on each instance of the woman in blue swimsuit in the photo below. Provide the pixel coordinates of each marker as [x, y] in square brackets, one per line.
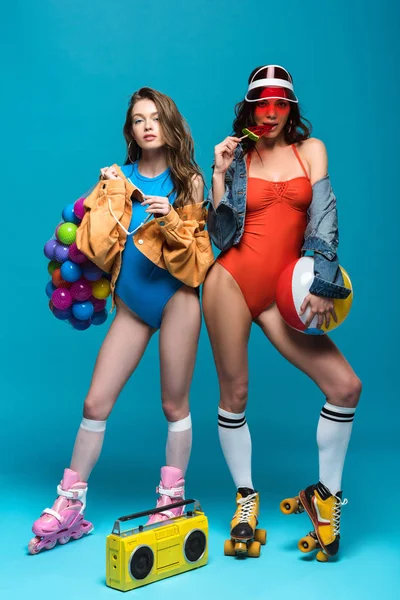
[148, 298]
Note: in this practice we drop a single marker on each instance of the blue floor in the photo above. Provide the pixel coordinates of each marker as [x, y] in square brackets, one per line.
[368, 566]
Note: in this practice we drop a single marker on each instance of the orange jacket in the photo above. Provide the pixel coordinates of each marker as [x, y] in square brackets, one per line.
[177, 242]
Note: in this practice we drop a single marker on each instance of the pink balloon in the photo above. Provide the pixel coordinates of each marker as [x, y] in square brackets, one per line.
[79, 209]
[76, 255]
[61, 298]
[81, 290]
[99, 305]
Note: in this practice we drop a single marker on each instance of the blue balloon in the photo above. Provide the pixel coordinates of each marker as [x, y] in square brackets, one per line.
[50, 289]
[63, 315]
[99, 318]
[82, 310]
[80, 325]
[69, 216]
[70, 271]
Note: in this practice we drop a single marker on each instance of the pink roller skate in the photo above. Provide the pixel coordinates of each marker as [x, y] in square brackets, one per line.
[65, 519]
[171, 489]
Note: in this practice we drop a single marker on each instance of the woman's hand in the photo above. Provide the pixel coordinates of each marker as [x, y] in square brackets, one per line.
[109, 173]
[223, 154]
[158, 205]
[321, 307]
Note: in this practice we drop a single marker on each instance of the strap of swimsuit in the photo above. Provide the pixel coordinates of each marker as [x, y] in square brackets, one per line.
[300, 161]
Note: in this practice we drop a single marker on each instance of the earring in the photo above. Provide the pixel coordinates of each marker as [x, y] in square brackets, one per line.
[290, 127]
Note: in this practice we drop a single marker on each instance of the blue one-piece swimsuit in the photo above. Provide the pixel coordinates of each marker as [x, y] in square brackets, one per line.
[141, 285]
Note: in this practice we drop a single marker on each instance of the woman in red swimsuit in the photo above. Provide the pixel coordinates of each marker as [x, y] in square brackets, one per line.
[279, 176]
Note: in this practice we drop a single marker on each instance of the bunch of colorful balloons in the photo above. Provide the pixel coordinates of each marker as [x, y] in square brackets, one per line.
[78, 289]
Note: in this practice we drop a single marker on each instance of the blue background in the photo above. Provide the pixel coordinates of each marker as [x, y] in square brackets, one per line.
[68, 73]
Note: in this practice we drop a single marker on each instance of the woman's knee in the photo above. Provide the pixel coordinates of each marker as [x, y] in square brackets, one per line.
[348, 392]
[97, 407]
[175, 408]
[234, 394]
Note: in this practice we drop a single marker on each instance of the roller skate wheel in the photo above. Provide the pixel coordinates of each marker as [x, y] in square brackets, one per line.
[33, 546]
[290, 505]
[229, 548]
[254, 549]
[260, 535]
[322, 557]
[64, 539]
[240, 548]
[50, 545]
[307, 544]
[77, 535]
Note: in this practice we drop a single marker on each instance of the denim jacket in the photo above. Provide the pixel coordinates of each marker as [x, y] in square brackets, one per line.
[226, 225]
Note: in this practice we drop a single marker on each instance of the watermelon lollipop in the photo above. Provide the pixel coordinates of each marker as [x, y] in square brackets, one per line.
[255, 132]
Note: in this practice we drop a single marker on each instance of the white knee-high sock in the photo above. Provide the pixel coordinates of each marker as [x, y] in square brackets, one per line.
[333, 436]
[179, 443]
[234, 436]
[88, 444]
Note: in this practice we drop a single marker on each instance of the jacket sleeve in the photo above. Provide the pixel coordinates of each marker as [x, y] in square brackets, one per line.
[222, 221]
[98, 235]
[322, 238]
[186, 250]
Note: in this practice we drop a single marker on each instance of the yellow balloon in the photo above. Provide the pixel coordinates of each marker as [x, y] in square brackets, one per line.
[101, 289]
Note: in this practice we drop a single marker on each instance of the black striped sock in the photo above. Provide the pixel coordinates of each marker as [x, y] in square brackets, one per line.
[340, 414]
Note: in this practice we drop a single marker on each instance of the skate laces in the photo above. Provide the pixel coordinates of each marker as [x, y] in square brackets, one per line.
[337, 509]
[247, 507]
[176, 492]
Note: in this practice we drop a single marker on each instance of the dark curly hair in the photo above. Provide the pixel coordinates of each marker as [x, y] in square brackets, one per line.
[297, 128]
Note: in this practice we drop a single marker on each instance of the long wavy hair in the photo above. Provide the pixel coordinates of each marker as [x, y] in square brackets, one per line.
[297, 128]
[179, 144]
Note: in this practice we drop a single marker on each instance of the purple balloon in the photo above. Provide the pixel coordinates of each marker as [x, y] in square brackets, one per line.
[63, 315]
[49, 248]
[61, 252]
[80, 325]
[91, 272]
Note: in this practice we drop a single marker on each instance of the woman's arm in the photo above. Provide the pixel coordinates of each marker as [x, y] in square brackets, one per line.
[187, 251]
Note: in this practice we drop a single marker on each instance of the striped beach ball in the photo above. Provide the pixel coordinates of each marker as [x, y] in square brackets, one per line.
[294, 285]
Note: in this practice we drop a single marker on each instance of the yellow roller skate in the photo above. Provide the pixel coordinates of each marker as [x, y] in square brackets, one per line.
[324, 510]
[246, 539]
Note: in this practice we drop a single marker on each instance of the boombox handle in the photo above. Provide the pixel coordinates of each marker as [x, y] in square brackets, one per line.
[117, 529]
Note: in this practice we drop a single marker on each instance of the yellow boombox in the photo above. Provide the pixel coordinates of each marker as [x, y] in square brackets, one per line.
[136, 557]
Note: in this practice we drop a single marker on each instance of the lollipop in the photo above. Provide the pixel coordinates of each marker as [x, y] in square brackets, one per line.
[256, 131]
